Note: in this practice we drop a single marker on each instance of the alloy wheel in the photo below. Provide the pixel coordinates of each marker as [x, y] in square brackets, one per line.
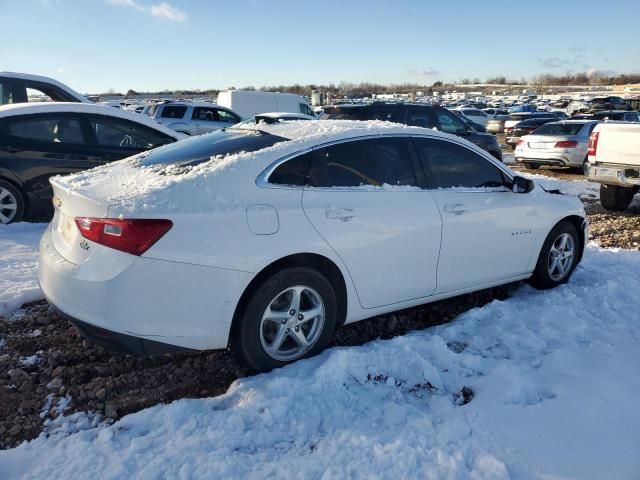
[292, 323]
[8, 206]
[561, 257]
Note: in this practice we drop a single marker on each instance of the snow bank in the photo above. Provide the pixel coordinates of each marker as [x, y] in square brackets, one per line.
[554, 375]
[19, 265]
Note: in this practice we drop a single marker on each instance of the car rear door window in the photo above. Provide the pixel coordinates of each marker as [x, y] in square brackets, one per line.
[292, 172]
[173, 111]
[449, 165]
[115, 132]
[50, 129]
[374, 162]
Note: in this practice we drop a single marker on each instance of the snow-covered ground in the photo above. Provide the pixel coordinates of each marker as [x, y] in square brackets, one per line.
[554, 375]
[19, 265]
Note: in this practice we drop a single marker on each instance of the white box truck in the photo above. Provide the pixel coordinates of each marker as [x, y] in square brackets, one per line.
[248, 103]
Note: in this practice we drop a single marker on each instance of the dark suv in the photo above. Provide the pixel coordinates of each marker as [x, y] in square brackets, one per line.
[418, 115]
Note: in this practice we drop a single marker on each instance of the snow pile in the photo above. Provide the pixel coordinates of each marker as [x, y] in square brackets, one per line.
[584, 189]
[554, 375]
[19, 265]
[139, 185]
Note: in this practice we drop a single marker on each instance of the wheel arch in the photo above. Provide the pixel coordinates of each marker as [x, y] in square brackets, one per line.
[18, 186]
[578, 222]
[312, 260]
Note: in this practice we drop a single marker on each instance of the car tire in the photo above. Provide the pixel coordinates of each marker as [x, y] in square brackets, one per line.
[531, 166]
[12, 204]
[267, 319]
[615, 198]
[558, 257]
[584, 166]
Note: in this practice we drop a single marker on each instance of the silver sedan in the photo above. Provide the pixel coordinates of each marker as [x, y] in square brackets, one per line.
[562, 144]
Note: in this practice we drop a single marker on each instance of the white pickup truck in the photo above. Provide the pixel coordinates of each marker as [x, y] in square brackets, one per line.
[614, 162]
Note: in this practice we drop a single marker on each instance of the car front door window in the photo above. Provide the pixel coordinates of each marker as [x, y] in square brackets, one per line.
[371, 224]
[450, 124]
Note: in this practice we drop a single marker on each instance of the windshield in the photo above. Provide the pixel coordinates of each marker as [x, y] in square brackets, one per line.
[559, 129]
[200, 149]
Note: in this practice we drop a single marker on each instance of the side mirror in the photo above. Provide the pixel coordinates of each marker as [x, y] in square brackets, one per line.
[521, 185]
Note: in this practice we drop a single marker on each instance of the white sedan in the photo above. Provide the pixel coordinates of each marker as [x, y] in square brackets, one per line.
[267, 239]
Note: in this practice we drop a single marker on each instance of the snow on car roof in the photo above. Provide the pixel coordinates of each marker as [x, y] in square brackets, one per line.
[91, 108]
[133, 186]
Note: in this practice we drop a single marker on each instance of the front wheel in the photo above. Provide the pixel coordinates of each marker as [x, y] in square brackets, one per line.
[615, 198]
[558, 257]
[291, 315]
[11, 203]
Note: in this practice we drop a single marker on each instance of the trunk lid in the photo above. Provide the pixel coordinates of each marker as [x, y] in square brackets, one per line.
[548, 142]
[67, 239]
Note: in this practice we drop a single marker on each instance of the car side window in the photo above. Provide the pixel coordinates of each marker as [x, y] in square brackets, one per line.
[292, 172]
[304, 108]
[384, 114]
[206, 114]
[173, 111]
[449, 165]
[449, 123]
[53, 129]
[375, 162]
[421, 118]
[225, 116]
[112, 132]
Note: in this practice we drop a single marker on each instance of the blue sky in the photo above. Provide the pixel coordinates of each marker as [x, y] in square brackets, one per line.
[95, 45]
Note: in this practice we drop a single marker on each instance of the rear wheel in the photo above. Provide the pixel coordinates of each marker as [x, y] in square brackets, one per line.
[615, 198]
[11, 203]
[291, 315]
[558, 257]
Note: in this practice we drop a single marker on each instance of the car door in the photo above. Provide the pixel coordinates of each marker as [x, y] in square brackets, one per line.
[116, 138]
[364, 201]
[487, 230]
[38, 146]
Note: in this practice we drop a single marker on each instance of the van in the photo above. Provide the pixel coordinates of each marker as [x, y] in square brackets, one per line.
[248, 103]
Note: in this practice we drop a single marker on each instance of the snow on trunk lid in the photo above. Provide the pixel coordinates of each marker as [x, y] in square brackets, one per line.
[67, 239]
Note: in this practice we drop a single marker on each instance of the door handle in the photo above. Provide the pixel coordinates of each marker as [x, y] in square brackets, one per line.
[455, 208]
[339, 213]
[10, 149]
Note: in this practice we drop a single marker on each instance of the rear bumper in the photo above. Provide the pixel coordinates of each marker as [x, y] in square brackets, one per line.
[562, 159]
[621, 175]
[162, 302]
[119, 342]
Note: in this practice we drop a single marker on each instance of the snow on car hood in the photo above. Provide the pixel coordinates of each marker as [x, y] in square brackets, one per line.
[134, 186]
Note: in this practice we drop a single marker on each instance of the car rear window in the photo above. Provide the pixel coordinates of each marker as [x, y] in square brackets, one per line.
[559, 129]
[200, 149]
[173, 111]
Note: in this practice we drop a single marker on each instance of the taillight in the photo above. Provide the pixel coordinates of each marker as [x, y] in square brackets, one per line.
[566, 144]
[134, 236]
[593, 144]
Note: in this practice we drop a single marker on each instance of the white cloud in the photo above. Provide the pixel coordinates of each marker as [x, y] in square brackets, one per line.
[161, 10]
[424, 72]
[166, 11]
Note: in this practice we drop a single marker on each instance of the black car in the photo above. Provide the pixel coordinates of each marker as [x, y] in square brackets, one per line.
[617, 115]
[419, 115]
[525, 127]
[38, 141]
[608, 103]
